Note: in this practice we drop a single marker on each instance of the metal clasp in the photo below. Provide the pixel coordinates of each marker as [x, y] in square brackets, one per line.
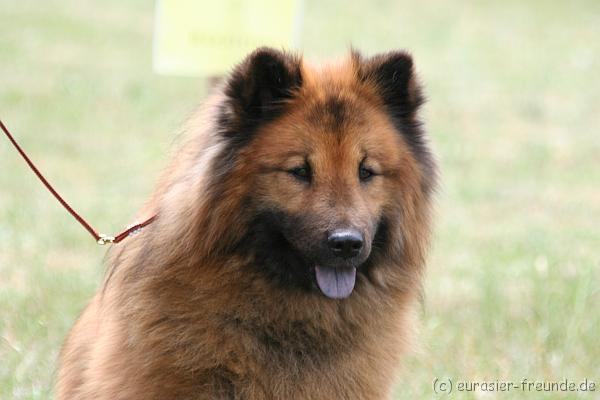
[105, 239]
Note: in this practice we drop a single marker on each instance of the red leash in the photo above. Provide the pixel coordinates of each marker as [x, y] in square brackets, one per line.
[99, 237]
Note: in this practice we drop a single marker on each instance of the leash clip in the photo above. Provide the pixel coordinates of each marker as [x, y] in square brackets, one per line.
[101, 239]
[104, 239]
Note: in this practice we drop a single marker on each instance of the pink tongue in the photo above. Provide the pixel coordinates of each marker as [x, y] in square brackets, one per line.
[335, 283]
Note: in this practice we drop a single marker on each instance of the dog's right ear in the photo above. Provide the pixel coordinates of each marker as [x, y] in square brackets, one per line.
[258, 87]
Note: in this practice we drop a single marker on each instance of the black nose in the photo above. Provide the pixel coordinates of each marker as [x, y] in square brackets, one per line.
[345, 243]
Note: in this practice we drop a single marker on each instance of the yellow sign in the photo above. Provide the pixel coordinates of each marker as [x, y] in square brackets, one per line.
[209, 37]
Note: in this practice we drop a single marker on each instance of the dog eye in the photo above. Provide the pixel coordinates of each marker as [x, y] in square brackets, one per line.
[302, 173]
[364, 173]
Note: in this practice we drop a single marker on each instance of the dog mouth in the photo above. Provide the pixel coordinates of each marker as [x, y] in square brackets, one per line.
[335, 282]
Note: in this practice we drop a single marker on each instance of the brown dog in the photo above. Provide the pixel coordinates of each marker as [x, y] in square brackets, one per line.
[286, 257]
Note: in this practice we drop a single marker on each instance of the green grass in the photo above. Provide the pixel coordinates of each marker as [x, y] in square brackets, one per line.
[514, 96]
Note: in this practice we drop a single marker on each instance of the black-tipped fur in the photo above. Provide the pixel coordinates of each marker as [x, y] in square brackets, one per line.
[255, 93]
[397, 85]
[259, 86]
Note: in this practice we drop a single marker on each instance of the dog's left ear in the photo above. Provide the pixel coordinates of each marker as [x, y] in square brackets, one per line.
[259, 85]
[395, 80]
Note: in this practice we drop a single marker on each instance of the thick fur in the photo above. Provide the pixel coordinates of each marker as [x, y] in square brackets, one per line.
[216, 299]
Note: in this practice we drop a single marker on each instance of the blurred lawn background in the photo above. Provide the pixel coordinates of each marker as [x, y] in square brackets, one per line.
[512, 288]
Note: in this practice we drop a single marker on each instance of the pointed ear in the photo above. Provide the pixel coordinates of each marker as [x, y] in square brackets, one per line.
[258, 87]
[395, 80]
[393, 77]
